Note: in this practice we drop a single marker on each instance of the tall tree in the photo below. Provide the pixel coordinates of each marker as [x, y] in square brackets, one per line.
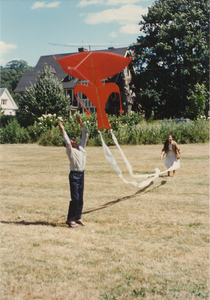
[46, 96]
[171, 59]
[11, 74]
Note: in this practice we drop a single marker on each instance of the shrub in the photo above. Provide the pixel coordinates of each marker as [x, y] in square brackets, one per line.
[35, 131]
[195, 132]
[45, 96]
[13, 133]
[128, 129]
[5, 119]
[45, 123]
[52, 137]
[49, 120]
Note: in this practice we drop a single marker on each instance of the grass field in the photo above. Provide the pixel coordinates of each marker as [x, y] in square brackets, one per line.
[150, 243]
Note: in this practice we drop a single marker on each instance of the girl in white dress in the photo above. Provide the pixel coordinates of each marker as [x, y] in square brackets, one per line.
[171, 152]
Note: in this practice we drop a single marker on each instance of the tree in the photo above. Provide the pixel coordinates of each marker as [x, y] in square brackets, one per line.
[11, 74]
[46, 96]
[171, 59]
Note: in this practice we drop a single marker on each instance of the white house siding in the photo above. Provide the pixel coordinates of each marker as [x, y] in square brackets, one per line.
[7, 103]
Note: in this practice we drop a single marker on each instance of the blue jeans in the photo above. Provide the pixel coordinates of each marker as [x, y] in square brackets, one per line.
[76, 181]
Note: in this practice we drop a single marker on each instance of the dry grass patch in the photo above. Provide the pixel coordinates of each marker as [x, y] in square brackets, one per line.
[150, 243]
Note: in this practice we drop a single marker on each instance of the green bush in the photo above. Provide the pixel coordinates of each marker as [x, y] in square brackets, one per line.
[52, 137]
[156, 132]
[49, 120]
[195, 132]
[35, 131]
[45, 124]
[5, 119]
[129, 129]
[13, 133]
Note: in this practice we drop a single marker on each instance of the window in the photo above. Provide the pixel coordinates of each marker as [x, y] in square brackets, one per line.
[3, 102]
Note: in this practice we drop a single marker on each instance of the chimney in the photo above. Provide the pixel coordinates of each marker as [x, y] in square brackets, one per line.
[82, 49]
[52, 71]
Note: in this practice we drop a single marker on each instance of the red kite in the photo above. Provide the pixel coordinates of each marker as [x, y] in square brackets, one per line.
[93, 67]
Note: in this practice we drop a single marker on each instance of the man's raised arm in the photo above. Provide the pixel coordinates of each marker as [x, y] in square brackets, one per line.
[84, 132]
[65, 136]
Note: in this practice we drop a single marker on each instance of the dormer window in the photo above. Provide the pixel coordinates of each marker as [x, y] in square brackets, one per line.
[3, 102]
[70, 77]
[52, 71]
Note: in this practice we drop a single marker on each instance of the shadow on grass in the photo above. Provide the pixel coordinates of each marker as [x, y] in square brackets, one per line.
[142, 191]
[34, 223]
[54, 224]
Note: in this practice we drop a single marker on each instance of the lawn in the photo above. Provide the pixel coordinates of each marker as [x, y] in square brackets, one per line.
[150, 243]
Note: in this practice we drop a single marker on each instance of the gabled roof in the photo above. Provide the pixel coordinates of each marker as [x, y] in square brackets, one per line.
[9, 97]
[29, 78]
[2, 90]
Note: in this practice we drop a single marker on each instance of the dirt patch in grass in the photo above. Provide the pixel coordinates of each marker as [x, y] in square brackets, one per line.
[150, 243]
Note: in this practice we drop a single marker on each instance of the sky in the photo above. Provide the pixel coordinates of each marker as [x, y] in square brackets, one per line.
[30, 29]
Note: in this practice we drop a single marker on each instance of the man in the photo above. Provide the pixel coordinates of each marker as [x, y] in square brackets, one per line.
[77, 157]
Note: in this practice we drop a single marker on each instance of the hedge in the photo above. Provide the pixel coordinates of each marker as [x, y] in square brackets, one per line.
[129, 129]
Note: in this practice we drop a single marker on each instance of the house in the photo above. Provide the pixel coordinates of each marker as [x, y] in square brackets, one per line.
[112, 106]
[8, 105]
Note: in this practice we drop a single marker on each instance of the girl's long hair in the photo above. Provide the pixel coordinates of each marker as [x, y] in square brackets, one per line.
[166, 144]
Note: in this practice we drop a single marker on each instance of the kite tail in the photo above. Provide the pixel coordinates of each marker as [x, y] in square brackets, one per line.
[87, 111]
[112, 161]
[174, 167]
[121, 110]
[127, 162]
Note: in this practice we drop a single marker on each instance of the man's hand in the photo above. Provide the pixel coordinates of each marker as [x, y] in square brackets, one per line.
[61, 126]
[79, 121]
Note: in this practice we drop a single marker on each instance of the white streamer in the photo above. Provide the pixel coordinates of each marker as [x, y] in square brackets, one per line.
[174, 167]
[112, 161]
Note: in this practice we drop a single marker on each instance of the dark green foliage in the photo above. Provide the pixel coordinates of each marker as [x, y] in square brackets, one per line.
[129, 119]
[35, 132]
[44, 97]
[5, 119]
[52, 137]
[171, 60]
[197, 100]
[46, 131]
[13, 133]
[11, 74]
